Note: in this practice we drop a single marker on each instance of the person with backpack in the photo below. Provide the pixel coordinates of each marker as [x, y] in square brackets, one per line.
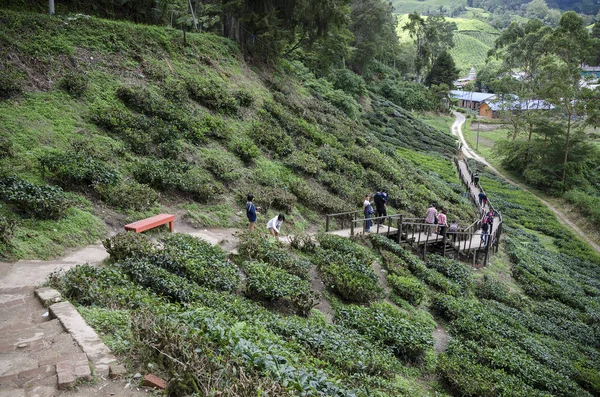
[368, 211]
[482, 198]
[452, 230]
[380, 205]
[476, 179]
[431, 218]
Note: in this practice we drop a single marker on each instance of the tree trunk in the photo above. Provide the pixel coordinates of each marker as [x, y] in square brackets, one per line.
[564, 175]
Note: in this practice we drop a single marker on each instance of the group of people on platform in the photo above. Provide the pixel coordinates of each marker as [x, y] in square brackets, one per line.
[437, 220]
[380, 199]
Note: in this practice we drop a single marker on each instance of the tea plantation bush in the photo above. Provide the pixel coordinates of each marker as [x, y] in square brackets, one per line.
[129, 195]
[346, 269]
[199, 261]
[43, 202]
[72, 169]
[408, 288]
[383, 323]
[269, 283]
[128, 244]
[254, 246]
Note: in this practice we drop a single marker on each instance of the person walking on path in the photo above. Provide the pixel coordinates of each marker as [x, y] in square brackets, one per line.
[380, 205]
[431, 218]
[489, 218]
[482, 198]
[452, 230]
[368, 211]
[485, 230]
[251, 211]
[476, 179]
[274, 225]
[442, 222]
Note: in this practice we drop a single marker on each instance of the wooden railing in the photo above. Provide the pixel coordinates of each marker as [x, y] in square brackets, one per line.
[466, 241]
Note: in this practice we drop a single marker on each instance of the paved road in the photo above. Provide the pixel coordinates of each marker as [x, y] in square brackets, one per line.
[470, 153]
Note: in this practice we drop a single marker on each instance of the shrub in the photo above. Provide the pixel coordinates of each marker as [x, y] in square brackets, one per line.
[7, 228]
[114, 327]
[212, 92]
[137, 131]
[304, 162]
[270, 283]
[222, 164]
[213, 126]
[348, 81]
[491, 288]
[353, 279]
[454, 270]
[198, 261]
[272, 137]
[174, 90]
[383, 323]
[201, 185]
[11, 81]
[244, 148]
[6, 146]
[244, 98]
[254, 246]
[44, 202]
[105, 287]
[129, 195]
[408, 288]
[160, 174]
[74, 83]
[128, 244]
[78, 169]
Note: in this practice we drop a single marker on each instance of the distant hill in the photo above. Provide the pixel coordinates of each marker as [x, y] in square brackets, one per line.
[472, 41]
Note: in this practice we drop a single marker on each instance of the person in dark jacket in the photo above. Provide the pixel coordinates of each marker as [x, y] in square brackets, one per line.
[380, 205]
[251, 211]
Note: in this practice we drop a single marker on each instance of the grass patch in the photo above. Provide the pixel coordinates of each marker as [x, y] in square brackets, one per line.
[44, 239]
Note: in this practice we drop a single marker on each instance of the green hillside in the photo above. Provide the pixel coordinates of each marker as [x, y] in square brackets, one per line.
[105, 122]
[132, 122]
[472, 40]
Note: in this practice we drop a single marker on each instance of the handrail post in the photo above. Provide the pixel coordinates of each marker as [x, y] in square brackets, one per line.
[351, 228]
[327, 223]
[400, 229]
[487, 253]
[444, 238]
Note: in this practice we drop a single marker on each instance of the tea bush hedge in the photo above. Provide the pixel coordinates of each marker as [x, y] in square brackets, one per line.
[71, 169]
[269, 283]
[39, 201]
[408, 288]
[254, 246]
[383, 323]
[128, 244]
[198, 261]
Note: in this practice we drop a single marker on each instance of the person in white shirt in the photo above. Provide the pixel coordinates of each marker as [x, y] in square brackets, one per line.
[274, 225]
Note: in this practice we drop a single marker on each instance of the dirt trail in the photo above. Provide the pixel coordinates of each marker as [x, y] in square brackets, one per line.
[470, 153]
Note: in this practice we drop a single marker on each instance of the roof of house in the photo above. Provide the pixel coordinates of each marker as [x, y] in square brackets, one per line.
[532, 104]
[471, 96]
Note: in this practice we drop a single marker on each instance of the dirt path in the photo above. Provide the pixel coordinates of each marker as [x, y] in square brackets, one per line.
[470, 153]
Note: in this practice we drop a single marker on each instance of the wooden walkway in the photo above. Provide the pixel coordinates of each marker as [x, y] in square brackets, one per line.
[468, 241]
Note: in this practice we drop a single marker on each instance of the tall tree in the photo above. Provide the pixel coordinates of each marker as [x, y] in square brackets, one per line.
[374, 27]
[432, 36]
[443, 71]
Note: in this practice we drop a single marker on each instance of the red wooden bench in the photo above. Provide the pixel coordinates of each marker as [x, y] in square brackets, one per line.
[151, 222]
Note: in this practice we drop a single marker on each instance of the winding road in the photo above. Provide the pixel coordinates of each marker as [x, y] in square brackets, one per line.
[468, 152]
